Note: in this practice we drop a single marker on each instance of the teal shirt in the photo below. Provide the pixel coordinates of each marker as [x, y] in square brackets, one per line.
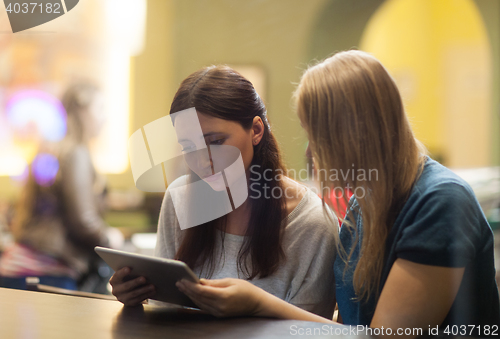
[441, 224]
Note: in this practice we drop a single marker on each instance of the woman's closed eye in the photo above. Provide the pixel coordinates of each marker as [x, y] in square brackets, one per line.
[217, 141]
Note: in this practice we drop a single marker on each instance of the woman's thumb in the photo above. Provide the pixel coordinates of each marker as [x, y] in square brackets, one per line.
[216, 282]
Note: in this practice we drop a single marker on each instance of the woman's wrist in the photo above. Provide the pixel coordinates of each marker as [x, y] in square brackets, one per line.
[263, 304]
[269, 305]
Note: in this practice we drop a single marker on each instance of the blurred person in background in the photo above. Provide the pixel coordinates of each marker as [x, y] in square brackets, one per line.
[4, 230]
[58, 222]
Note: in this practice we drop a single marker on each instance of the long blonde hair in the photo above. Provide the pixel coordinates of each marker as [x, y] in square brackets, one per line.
[361, 138]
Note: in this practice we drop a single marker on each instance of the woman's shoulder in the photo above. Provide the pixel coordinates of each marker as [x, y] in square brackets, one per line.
[179, 182]
[175, 184]
[309, 215]
[293, 192]
[167, 211]
[438, 179]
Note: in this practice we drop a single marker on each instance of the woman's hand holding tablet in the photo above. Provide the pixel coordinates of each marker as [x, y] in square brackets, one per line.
[130, 292]
[235, 297]
[138, 277]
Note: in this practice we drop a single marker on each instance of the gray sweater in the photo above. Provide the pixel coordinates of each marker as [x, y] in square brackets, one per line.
[304, 279]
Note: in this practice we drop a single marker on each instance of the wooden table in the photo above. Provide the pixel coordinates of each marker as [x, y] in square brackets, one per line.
[33, 315]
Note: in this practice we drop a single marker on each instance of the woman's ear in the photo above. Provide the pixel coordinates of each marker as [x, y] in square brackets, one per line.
[257, 130]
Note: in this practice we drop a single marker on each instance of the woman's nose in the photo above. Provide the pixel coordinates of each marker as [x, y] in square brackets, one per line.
[204, 160]
[308, 151]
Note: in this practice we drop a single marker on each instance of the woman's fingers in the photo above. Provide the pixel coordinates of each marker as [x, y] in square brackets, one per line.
[117, 278]
[134, 301]
[125, 287]
[217, 282]
[136, 296]
[190, 291]
[132, 292]
[146, 290]
[224, 297]
[208, 298]
[204, 303]
[205, 291]
[196, 294]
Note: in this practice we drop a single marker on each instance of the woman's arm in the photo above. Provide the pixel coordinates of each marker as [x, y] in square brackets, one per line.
[85, 224]
[167, 229]
[416, 296]
[233, 297]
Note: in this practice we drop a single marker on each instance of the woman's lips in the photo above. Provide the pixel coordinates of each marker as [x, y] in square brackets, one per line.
[213, 178]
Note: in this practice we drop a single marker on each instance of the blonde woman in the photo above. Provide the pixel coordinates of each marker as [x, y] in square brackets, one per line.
[416, 250]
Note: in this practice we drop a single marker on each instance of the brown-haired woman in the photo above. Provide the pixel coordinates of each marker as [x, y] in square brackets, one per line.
[415, 248]
[279, 238]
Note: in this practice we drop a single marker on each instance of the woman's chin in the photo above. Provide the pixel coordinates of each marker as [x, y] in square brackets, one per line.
[216, 185]
[216, 182]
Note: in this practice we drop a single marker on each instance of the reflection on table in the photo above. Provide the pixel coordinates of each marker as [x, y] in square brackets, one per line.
[27, 314]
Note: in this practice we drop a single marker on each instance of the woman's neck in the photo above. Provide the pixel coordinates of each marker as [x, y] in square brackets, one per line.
[237, 221]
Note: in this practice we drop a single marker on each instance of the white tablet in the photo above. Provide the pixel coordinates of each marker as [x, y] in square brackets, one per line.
[162, 273]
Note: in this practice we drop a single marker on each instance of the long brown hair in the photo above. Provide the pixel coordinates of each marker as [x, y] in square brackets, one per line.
[221, 92]
[356, 123]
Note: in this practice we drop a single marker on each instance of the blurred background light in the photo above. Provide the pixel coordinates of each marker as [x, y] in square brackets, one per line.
[125, 24]
[30, 117]
[11, 163]
[45, 167]
[39, 109]
[440, 56]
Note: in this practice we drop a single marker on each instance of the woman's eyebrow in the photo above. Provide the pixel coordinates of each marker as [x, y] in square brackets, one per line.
[206, 135]
[209, 134]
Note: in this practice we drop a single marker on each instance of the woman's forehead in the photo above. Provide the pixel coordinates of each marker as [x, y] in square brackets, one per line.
[197, 127]
[211, 125]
